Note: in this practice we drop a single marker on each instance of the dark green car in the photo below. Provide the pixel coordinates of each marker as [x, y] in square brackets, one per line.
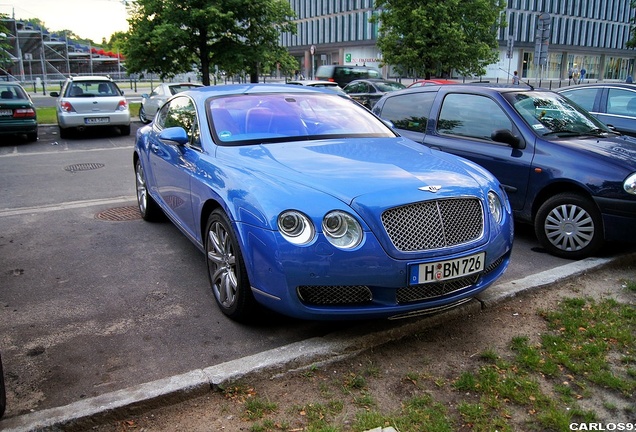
[17, 112]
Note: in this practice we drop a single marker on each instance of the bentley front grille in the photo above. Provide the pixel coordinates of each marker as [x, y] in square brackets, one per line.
[434, 224]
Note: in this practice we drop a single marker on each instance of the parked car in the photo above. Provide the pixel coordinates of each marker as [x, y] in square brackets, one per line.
[328, 85]
[369, 91]
[150, 103]
[90, 102]
[435, 81]
[343, 74]
[564, 170]
[17, 112]
[305, 202]
[612, 103]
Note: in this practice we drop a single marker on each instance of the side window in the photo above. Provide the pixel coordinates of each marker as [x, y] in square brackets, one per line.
[473, 116]
[409, 112]
[181, 112]
[621, 102]
[583, 97]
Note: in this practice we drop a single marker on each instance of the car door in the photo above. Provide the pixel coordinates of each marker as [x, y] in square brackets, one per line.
[620, 110]
[157, 98]
[464, 127]
[173, 164]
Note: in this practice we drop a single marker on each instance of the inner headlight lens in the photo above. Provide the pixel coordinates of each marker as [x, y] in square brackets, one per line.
[630, 184]
[495, 207]
[342, 230]
[296, 227]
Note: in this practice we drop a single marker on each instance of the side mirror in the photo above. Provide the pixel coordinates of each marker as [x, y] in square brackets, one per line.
[176, 134]
[54, 94]
[145, 96]
[507, 137]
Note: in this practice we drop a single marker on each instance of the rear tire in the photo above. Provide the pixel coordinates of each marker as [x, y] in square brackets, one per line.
[569, 225]
[32, 136]
[142, 115]
[226, 269]
[65, 133]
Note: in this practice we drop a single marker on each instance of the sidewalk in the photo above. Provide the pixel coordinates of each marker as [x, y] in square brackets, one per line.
[333, 347]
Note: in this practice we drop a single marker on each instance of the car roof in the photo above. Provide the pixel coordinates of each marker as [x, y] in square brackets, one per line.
[480, 88]
[314, 82]
[236, 89]
[604, 84]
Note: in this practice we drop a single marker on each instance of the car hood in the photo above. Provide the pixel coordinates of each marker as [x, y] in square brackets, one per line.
[393, 169]
[620, 147]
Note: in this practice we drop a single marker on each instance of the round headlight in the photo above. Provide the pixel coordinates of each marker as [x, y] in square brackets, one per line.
[495, 207]
[295, 227]
[342, 230]
[630, 184]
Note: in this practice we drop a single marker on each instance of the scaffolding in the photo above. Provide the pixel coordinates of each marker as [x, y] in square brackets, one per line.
[40, 57]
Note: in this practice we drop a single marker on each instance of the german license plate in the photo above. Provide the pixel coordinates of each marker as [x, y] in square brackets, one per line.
[450, 269]
[96, 120]
[6, 112]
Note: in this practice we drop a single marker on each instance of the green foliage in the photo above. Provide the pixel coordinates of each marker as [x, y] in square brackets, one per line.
[432, 37]
[168, 37]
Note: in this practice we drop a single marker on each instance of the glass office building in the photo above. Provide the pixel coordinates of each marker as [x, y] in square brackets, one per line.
[584, 34]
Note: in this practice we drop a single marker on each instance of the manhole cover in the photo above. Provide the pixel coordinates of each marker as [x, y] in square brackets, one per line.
[119, 214]
[83, 167]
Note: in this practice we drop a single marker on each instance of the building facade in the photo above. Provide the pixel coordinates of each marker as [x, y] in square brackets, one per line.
[587, 35]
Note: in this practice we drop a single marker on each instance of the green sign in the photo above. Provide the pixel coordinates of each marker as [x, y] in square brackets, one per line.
[348, 58]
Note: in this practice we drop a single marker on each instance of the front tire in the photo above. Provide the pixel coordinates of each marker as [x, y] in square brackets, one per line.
[569, 225]
[148, 207]
[226, 269]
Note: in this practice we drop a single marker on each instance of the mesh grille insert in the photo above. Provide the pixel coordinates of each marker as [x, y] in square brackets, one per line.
[434, 224]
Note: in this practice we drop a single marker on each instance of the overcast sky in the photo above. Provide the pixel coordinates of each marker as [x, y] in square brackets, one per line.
[92, 19]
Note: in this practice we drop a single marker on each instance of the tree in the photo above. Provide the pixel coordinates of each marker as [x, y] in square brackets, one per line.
[168, 37]
[432, 37]
[631, 43]
[5, 56]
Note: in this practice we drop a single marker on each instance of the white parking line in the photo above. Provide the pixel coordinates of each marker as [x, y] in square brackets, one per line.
[63, 149]
[66, 206]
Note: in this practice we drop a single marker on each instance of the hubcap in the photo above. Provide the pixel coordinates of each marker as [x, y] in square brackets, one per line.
[569, 227]
[222, 265]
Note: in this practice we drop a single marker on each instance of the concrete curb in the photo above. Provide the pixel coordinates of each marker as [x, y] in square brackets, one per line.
[320, 350]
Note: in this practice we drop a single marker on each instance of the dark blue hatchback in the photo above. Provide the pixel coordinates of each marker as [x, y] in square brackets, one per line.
[564, 170]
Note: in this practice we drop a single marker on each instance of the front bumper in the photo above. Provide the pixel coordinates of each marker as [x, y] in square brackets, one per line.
[320, 282]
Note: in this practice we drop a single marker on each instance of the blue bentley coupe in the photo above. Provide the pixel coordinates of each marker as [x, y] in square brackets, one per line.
[306, 203]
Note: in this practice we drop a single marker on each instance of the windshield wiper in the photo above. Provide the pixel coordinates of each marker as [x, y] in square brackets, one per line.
[563, 131]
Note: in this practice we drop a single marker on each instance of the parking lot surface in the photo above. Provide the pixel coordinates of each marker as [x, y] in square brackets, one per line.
[95, 301]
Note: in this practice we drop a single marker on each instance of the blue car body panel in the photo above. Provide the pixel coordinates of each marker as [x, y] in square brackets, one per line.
[254, 183]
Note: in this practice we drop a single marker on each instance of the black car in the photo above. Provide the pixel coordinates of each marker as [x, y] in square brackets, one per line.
[343, 74]
[612, 103]
[369, 91]
[565, 172]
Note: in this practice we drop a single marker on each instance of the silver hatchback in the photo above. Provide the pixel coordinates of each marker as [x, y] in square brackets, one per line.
[91, 101]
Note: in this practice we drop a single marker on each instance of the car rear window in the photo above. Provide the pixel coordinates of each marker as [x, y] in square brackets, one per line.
[92, 89]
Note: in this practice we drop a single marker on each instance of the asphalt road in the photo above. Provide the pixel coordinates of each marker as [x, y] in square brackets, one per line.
[93, 299]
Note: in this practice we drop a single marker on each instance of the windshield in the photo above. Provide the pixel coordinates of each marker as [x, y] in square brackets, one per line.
[551, 114]
[277, 117]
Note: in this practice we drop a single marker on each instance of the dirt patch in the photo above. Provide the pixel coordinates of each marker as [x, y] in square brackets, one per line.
[423, 364]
